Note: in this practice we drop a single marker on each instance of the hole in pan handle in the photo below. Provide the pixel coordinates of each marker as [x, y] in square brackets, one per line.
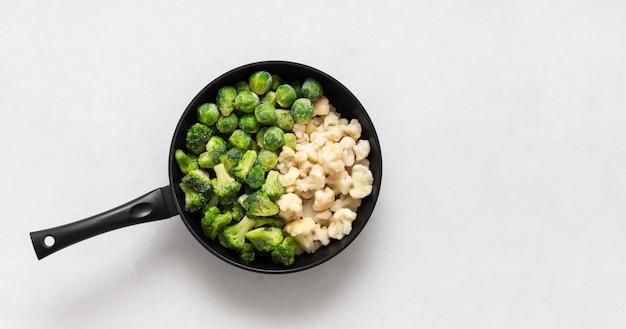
[155, 205]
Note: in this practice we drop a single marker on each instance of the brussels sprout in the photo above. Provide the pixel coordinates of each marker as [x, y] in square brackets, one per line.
[241, 140]
[290, 140]
[259, 136]
[260, 82]
[242, 86]
[249, 123]
[265, 114]
[273, 138]
[226, 99]
[246, 101]
[276, 81]
[285, 95]
[269, 98]
[267, 159]
[312, 89]
[297, 85]
[284, 120]
[302, 110]
[208, 114]
[227, 124]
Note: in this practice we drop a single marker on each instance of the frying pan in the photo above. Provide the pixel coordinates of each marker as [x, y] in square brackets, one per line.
[168, 201]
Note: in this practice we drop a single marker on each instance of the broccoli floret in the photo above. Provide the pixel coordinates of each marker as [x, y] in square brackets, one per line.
[272, 186]
[231, 157]
[223, 184]
[260, 205]
[235, 235]
[186, 162]
[285, 252]
[212, 200]
[213, 221]
[198, 180]
[215, 147]
[268, 221]
[194, 200]
[240, 171]
[247, 253]
[265, 238]
[256, 176]
[236, 211]
[197, 137]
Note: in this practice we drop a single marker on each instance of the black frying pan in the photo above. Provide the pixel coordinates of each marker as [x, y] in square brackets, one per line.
[168, 201]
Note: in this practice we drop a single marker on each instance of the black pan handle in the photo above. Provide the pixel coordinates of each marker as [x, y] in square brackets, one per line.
[155, 205]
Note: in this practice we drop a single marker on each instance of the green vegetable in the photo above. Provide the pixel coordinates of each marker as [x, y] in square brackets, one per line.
[272, 186]
[265, 114]
[240, 171]
[208, 114]
[197, 137]
[276, 81]
[186, 162]
[227, 124]
[284, 120]
[213, 221]
[297, 85]
[194, 200]
[249, 123]
[260, 82]
[259, 136]
[223, 184]
[246, 101]
[235, 235]
[198, 180]
[285, 95]
[260, 205]
[267, 159]
[269, 98]
[226, 99]
[231, 157]
[268, 221]
[241, 140]
[273, 138]
[302, 110]
[312, 89]
[290, 140]
[256, 176]
[265, 238]
[247, 253]
[285, 252]
[215, 147]
[236, 211]
[242, 86]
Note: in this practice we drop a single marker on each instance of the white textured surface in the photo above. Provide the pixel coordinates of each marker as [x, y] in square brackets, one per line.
[504, 122]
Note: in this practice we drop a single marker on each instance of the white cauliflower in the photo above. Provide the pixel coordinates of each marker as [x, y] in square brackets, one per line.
[298, 129]
[332, 119]
[331, 158]
[353, 129]
[361, 149]
[345, 201]
[323, 217]
[300, 226]
[362, 182]
[339, 181]
[289, 178]
[308, 235]
[341, 223]
[290, 207]
[315, 180]
[323, 199]
[321, 106]
[320, 233]
[309, 149]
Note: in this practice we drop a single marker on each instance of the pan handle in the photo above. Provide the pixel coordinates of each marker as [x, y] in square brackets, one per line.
[155, 205]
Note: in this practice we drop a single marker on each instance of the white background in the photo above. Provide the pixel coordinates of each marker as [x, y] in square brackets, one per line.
[502, 126]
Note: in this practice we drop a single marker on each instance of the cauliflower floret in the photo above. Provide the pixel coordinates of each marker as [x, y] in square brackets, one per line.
[323, 199]
[300, 157]
[286, 154]
[332, 119]
[305, 168]
[290, 207]
[320, 233]
[362, 149]
[321, 106]
[289, 178]
[314, 181]
[362, 162]
[307, 243]
[345, 201]
[323, 135]
[362, 181]
[353, 129]
[298, 129]
[309, 149]
[341, 223]
[323, 217]
[300, 226]
[331, 157]
[339, 181]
